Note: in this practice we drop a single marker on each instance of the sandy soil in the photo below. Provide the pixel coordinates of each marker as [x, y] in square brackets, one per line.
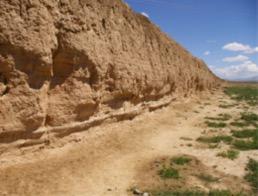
[106, 160]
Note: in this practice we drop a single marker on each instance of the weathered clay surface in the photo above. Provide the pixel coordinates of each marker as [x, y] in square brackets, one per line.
[64, 62]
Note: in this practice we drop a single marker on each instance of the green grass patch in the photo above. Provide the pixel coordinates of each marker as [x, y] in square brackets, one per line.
[251, 144]
[225, 116]
[246, 145]
[243, 93]
[215, 139]
[246, 133]
[181, 160]
[226, 106]
[221, 117]
[196, 193]
[239, 124]
[230, 154]
[178, 193]
[252, 175]
[186, 138]
[224, 193]
[212, 146]
[216, 124]
[249, 117]
[169, 173]
[207, 178]
[246, 120]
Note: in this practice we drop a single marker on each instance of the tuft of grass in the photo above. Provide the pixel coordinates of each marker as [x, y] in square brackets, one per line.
[212, 146]
[207, 178]
[169, 173]
[230, 154]
[181, 160]
[226, 106]
[196, 193]
[239, 124]
[246, 145]
[251, 144]
[221, 117]
[249, 117]
[216, 139]
[226, 193]
[252, 175]
[179, 193]
[243, 93]
[186, 138]
[225, 116]
[243, 145]
[216, 124]
[245, 120]
[246, 133]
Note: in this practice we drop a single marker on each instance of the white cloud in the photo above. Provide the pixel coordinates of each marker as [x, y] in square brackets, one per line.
[246, 69]
[238, 47]
[145, 14]
[235, 46]
[239, 58]
[206, 53]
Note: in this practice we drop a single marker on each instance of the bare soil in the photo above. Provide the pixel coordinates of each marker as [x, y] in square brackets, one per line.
[111, 159]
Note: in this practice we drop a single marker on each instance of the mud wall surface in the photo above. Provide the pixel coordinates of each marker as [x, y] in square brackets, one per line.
[68, 61]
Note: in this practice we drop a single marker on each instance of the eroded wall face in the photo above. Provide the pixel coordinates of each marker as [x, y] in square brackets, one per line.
[63, 62]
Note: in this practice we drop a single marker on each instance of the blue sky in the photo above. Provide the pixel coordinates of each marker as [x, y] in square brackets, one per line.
[224, 33]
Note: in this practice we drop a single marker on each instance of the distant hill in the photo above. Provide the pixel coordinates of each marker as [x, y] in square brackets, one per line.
[252, 79]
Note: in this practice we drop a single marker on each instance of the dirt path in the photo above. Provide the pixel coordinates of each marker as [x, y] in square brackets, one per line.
[105, 160]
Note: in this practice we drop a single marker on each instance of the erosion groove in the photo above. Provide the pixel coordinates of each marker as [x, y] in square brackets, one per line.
[63, 65]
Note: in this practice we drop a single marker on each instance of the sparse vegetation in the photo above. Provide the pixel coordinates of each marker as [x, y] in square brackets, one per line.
[182, 188]
[169, 173]
[178, 193]
[226, 106]
[212, 146]
[181, 160]
[221, 117]
[207, 178]
[230, 154]
[225, 117]
[244, 137]
[216, 139]
[216, 124]
[239, 124]
[196, 193]
[250, 144]
[245, 133]
[247, 145]
[186, 138]
[243, 93]
[252, 175]
[249, 117]
[246, 119]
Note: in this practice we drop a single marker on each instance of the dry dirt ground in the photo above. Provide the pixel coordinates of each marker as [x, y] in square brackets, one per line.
[111, 159]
